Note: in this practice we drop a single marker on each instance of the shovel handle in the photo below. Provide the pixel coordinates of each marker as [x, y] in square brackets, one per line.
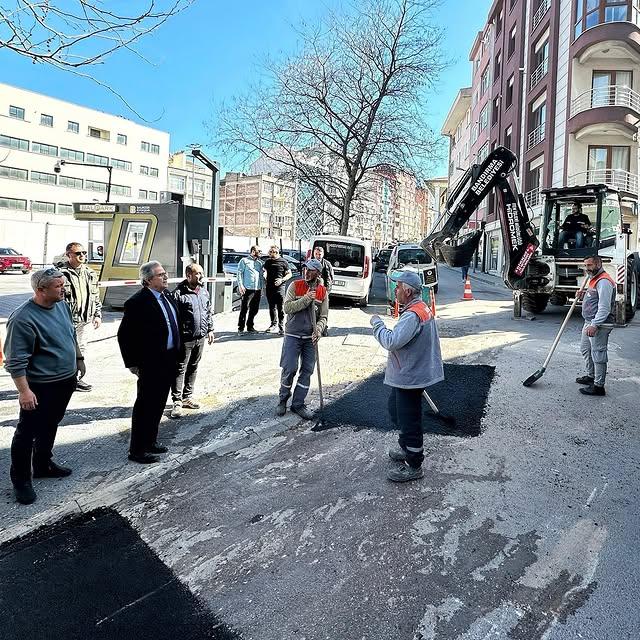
[315, 346]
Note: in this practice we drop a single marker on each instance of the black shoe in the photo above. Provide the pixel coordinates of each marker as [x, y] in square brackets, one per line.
[157, 448]
[272, 329]
[584, 380]
[53, 470]
[281, 409]
[143, 458]
[303, 412]
[24, 492]
[593, 390]
[252, 330]
[281, 330]
[83, 386]
[240, 332]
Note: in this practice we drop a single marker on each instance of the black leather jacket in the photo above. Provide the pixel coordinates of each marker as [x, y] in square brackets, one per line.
[194, 310]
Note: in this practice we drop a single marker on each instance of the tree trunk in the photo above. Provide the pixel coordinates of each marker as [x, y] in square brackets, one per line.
[346, 213]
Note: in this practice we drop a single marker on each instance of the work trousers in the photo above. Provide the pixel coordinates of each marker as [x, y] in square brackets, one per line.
[296, 351]
[275, 298]
[154, 383]
[405, 409]
[565, 236]
[36, 430]
[82, 334]
[594, 352]
[251, 303]
[182, 386]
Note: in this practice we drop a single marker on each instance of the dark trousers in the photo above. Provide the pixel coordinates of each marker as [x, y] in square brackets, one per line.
[405, 409]
[275, 298]
[250, 302]
[182, 386]
[294, 351]
[36, 430]
[154, 382]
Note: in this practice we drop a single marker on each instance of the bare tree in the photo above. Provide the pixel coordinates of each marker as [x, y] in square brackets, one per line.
[351, 100]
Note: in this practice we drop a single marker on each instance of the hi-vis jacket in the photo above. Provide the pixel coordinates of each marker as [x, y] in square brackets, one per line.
[413, 344]
[599, 300]
[296, 306]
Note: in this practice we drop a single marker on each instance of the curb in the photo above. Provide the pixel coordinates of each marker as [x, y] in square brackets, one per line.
[151, 477]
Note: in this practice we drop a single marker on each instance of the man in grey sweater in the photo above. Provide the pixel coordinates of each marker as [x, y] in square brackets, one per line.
[43, 358]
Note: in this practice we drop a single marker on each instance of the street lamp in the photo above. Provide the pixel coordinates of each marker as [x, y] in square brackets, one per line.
[58, 169]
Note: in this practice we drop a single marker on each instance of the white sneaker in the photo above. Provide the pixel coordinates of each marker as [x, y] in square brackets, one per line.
[176, 412]
[188, 403]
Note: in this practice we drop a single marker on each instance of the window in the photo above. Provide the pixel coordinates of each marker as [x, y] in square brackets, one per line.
[509, 92]
[511, 46]
[149, 148]
[607, 158]
[44, 149]
[198, 186]
[71, 154]
[135, 234]
[94, 185]
[42, 207]
[153, 172]
[121, 139]
[499, 19]
[476, 66]
[508, 134]
[611, 88]
[483, 152]
[144, 146]
[43, 178]
[123, 165]
[65, 209]
[497, 66]
[120, 190]
[484, 117]
[537, 122]
[144, 171]
[13, 203]
[512, 3]
[142, 194]
[177, 183]
[71, 183]
[155, 148]
[535, 174]
[73, 127]
[13, 173]
[484, 81]
[495, 111]
[100, 134]
[589, 13]
[14, 143]
[16, 112]
[95, 159]
[45, 120]
[153, 195]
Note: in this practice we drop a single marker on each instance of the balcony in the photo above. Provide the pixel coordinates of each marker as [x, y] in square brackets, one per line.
[539, 73]
[533, 198]
[617, 178]
[540, 13]
[610, 96]
[617, 36]
[620, 113]
[536, 136]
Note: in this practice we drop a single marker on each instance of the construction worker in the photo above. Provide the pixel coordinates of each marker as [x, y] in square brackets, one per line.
[414, 363]
[576, 226]
[598, 312]
[303, 298]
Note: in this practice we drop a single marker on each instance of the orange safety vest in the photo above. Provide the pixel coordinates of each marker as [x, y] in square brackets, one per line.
[301, 288]
[421, 310]
[601, 276]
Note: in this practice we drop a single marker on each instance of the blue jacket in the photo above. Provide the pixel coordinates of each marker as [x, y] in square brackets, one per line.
[194, 311]
[250, 273]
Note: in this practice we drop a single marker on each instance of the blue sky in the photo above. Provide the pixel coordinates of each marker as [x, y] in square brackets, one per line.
[212, 51]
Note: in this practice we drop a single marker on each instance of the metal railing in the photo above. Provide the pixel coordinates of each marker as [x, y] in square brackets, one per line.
[610, 96]
[539, 73]
[536, 136]
[540, 13]
[618, 178]
[532, 198]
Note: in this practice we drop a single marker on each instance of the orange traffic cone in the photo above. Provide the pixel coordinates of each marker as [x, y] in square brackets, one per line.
[467, 290]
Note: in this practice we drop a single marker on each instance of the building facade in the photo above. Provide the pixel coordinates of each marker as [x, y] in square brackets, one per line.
[558, 83]
[190, 179]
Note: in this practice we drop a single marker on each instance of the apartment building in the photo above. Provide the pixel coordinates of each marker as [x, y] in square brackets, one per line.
[457, 127]
[190, 179]
[259, 206]
[557, 82]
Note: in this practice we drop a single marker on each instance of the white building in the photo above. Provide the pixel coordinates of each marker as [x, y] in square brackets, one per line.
[36, 133]
[190, 179]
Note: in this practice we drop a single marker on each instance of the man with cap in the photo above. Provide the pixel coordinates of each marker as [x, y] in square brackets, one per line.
[303, 298]
[414, 363]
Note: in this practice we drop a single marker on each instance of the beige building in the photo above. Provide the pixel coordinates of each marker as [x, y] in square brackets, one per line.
[261, 206]
[190, 179]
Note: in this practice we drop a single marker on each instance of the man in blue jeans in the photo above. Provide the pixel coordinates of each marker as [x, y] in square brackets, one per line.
[250, 282]
[414, 363]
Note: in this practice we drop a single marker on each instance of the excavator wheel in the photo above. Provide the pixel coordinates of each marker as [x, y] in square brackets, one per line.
[558, 299]
[633, 290]
[534, 302]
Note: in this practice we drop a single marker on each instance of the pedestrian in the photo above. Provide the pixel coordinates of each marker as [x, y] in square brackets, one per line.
[326, 274]
[598, 307]
[83, 297]
[414, 363]
[44, 360]
[196, 327]
[465, 271]
[277, 272]
[303, 298]
[250, 281]
[150, 345]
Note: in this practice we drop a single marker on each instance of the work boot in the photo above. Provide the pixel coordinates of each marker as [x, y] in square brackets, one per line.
[24, 492]
[143, 458]
[398, 454]
[176, 412]
[51, 470]
[252, 330]
[281, 409]
[157, 448]
[585, 380]
[81, 385]
[405, 473]
[303, 412]
[188, 403]
[593, 390]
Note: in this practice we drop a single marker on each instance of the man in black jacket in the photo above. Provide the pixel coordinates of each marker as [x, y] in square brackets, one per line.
[196, 325]
[151, 346]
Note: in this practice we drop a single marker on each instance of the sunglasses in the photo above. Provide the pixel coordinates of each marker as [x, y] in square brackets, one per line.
[79, 253]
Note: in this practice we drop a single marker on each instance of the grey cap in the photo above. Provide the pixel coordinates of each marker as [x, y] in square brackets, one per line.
[312, 263]
[412, 278]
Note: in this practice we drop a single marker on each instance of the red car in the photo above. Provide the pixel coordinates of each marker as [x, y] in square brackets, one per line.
[11, 260]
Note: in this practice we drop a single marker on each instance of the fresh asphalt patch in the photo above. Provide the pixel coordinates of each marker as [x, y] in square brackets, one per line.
[462, 395]
[94, 577]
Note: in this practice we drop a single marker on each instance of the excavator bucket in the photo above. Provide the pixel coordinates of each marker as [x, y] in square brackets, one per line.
[461, 254]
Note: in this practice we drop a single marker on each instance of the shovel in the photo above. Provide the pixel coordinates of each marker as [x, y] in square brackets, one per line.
[320, 423]
[540, 372]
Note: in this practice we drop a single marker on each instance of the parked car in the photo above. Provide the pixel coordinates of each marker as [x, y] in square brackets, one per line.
[382, 259]
[230, 261]
[412, 256]
[12, 261]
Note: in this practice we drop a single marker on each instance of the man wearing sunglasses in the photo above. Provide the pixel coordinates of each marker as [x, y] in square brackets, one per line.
[82, 295]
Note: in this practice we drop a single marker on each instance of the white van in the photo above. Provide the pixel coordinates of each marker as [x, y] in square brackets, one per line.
[352, 267]
[412, 256]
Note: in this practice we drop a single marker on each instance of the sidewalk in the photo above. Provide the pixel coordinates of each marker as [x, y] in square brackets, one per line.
[479, 276]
